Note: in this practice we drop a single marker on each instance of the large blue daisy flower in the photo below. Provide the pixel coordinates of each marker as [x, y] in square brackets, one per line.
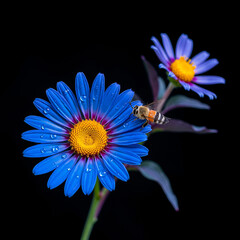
[184, 70]
[83, 138]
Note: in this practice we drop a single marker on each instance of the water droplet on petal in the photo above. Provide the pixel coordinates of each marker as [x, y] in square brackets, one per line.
[102, 174]
[82, 98]
[42, 150]
[52, 136]
[88, 170]
[64, 156]
[42, 127]
[69, 169]
[45, 111]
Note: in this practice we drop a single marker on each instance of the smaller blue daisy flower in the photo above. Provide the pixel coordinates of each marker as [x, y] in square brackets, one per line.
[83, 138]
[183, 69]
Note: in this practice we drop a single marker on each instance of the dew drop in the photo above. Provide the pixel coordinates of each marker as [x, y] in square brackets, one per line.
[88, 170]
[93, 98]
[41, 136]
[45, 111]
[55, 149]
[102, 174]
[52, 136]
[83, 98]
[69, 169]
[66, 91]
[64, 156]
[77, 176]
[42, 150]
[42, 127]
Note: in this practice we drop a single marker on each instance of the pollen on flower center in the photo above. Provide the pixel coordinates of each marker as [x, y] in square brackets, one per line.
[88, 137]
[183, 69]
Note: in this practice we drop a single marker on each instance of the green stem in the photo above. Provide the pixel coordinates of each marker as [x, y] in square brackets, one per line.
[98, 200]
[168, 91]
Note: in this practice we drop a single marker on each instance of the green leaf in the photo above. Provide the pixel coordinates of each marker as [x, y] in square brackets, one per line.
[181, 101]
[175, 125]
[153, 171]
[152, 77]
[162, 87]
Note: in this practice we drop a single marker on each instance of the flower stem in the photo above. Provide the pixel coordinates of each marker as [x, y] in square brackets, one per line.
[98, 200]
[165, 96]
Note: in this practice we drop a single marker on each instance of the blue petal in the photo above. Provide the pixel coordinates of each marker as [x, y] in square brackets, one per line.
[205, 66]
[125, 156]
[44, 150]
[45, 125]
[115, 167]
[96, 94]
[208, 80]
[38, 136]
[105, 177]
[50, 163]
[168, 46]
[185, 85]
[146, 129]
[200, 58]
[73, 181]
[61, 173]
[47, 110]
[71, 99]
[138, 149]
[60, 104]
[158, 49]
[119, 119]
[83, 93]
[108, 101]
[89, 176]
[201, 91]
[181, 45]
[122, 102]
[131, 124]
[188, 48]
[128, 138]
[126, 117]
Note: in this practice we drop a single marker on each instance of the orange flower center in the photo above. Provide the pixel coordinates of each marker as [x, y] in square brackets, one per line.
[88, 137]
[183, 69]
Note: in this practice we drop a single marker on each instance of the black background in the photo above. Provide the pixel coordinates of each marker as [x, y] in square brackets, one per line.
[41, 53]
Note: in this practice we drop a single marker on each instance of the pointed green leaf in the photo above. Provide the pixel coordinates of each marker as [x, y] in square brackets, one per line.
[181, 101]
[152, 77]
[162, 88]
[175, 125]
[153, 171]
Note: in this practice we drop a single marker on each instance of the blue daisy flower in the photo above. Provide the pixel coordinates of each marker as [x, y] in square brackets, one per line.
[183, 69]
[86, 137]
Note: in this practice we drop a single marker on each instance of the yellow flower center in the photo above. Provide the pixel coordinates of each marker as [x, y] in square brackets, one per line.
[183, 69]
[88, 137]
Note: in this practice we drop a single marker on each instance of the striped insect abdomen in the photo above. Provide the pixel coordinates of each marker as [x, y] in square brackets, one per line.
[160, 118]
